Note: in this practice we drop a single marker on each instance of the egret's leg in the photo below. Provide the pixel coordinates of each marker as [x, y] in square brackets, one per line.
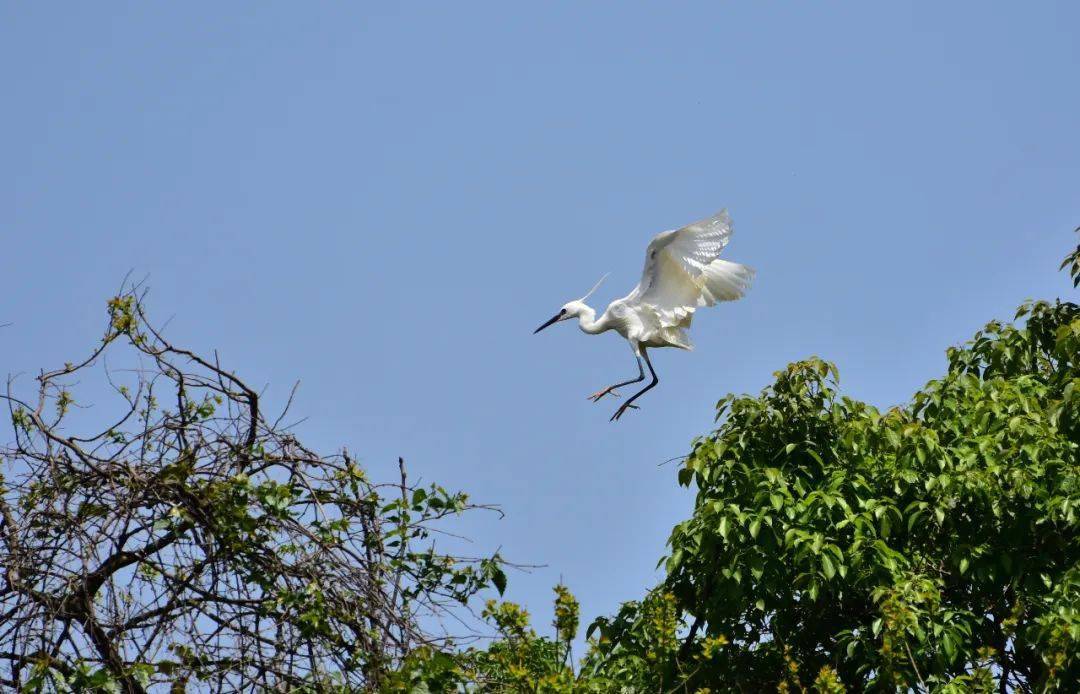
[655, 379]
[611, 389]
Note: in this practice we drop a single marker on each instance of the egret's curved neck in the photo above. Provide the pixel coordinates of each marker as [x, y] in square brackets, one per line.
[588, 323]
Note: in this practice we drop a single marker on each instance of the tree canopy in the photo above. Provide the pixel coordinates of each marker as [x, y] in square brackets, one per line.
[929, 545]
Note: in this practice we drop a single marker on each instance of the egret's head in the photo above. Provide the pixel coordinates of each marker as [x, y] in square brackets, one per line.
[571, 309]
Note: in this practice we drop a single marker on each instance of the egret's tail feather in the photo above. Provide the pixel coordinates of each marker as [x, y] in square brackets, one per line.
[723, 280]
[678, 337]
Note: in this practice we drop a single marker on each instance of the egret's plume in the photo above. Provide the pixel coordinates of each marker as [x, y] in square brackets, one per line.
[595, 287]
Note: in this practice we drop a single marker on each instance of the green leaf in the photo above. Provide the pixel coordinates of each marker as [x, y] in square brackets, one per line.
[827, 566]
[913, 519]
[948, 646]
[498, 578]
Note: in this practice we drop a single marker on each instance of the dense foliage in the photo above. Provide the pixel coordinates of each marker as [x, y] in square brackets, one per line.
[927, 545]
[187, 540]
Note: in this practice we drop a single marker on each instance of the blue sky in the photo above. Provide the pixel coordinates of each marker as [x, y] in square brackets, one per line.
[383, 200]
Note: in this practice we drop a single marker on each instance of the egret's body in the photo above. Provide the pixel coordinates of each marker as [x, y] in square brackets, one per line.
[683, 272]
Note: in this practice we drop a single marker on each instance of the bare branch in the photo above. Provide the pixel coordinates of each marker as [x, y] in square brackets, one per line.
[194, 538]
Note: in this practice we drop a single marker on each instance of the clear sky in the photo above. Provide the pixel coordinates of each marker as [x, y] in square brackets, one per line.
[383, 200]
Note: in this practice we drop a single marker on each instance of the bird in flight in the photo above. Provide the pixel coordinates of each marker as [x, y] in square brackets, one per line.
[683, 272]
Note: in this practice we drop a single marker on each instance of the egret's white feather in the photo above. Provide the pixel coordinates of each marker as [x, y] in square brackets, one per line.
[683, 272]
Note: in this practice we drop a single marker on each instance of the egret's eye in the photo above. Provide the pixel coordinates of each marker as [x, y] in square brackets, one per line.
[562, 311]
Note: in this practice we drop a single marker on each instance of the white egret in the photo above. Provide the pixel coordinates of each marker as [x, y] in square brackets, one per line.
[683, 272]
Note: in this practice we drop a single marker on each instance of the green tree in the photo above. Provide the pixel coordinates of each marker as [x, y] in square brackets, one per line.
[931, 547]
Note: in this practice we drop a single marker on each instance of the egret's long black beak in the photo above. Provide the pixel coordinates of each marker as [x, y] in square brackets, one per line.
[553, 320]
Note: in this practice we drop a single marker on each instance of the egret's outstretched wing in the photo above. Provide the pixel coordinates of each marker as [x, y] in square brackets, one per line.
[683, 271]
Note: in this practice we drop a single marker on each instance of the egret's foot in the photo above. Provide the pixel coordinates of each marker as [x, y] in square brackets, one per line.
[619, 412]
[610, 390]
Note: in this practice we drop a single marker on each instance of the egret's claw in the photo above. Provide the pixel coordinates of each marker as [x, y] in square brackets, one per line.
[619, 412]
[610, 390]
